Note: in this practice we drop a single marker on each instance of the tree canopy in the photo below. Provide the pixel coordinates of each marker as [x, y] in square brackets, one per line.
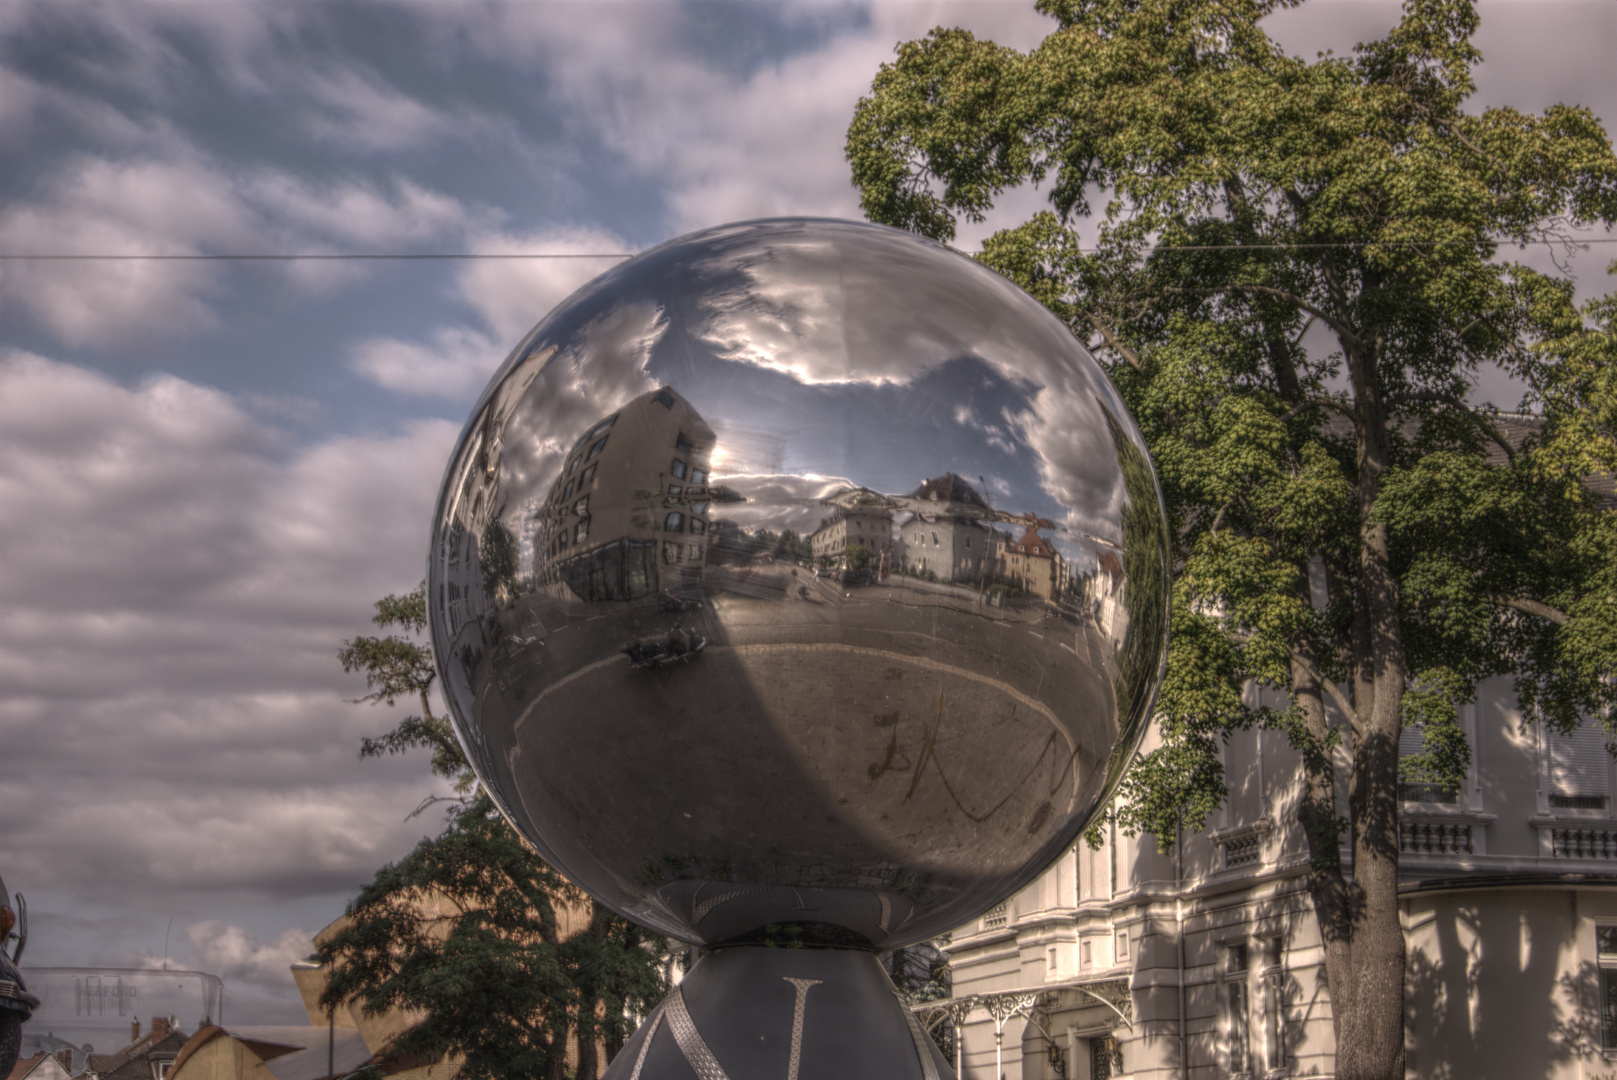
[1213, 201]
[505, 960]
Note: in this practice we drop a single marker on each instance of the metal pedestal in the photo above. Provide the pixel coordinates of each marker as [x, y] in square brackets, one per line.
[757, 1013]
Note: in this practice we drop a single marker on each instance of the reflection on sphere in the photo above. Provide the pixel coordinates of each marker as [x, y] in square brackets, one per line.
[800, 581]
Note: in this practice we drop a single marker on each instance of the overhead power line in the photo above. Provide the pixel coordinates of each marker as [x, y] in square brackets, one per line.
[324, 257]
[471, 255]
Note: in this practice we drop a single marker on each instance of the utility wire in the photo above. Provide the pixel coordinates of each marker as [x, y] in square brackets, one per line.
[319, 257]
[467, 256]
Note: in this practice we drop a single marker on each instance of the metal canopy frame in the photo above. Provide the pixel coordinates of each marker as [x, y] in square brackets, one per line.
[1004, 1005]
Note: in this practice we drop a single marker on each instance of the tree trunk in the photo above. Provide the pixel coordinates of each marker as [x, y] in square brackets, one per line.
[1366, 974]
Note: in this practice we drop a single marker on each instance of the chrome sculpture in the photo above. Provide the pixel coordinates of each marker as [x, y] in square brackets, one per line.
[798, 582]
[16, 1003]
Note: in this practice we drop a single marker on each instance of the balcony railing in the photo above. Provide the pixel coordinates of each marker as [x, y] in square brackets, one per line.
[1569, 841]
[1434, 836]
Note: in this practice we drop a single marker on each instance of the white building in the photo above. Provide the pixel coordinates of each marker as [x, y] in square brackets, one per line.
[871, 527]
[954, 542]
[1207, 963]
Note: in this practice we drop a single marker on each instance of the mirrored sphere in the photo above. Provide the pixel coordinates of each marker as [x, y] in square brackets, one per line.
[800, 580]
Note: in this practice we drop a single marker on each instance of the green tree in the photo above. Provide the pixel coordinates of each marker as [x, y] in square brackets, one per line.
[1244, 197]
[493, 971]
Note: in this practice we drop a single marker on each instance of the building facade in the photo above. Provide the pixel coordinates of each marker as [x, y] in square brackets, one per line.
[1207, 963]
[1030, 561]
[628, 512]
[868, 526]
[954, 542]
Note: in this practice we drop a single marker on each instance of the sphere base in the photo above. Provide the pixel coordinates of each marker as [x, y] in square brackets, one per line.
[750, 1012]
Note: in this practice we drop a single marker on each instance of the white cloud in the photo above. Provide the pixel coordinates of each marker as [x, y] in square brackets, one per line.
[509, 296]
[186, 205]
[174, 582]
[454, 363]
[234, 953]
[512, 295]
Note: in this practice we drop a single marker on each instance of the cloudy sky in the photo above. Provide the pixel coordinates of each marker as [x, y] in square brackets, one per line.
[209, 470]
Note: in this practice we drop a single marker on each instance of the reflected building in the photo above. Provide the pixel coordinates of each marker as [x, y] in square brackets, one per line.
[870, 526]
[1031, 562]
[628, 514]
[947, 535]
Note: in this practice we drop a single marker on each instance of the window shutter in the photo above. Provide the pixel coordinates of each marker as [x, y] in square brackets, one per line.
[1409, 741]
[1580, 767]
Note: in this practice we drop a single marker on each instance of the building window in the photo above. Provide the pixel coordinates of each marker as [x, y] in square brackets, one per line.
[1237, 1009]
[582, 506]
[934, 539]
[584, 481]
[665, 399]
[674, 522]
[698, 476]
[582, 531]
[1409, 743]
[1084, 955]
[1105, 1057]
[604, 424]
[675, 489]
[682, 443]
[698, 525]
[1122, 944]
[1606, 947]
[678, 469]
[567, 492]
[670, 553]
[1274, 1005]
[1580, 768]
[600, 444]
[699, 508]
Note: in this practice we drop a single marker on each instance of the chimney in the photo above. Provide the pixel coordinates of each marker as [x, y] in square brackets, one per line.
[134, 1030]
[159, 1028]
[65, 1056]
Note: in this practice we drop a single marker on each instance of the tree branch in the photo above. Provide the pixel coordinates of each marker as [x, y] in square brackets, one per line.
[1330, 688]
[1528, 606]
[1342, 329]
[1116, 345]
[1453, 402]
[1298, 340]
[1342, 703]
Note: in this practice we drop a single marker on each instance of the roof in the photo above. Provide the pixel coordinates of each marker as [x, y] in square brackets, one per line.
[41, 1066]
[133, 1062]
[950, 488]
[1514, 428]
[347, 1053]
[290, 1052]
[1031, 543]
